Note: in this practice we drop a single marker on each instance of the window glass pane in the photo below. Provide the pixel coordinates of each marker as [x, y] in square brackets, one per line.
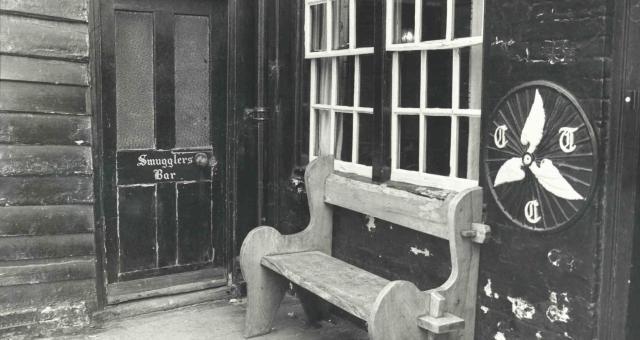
[439, 78]
[365, 148]
[463, 146]
[340, 24]
[134, 88]
[462, 19]
[323, 79]
[403, 21]
[323, 132]
[438, 144]
[192, 81]
[409, 79]
[464, 78]
[434, 19]
[318, 28]
[345, 80]
[344, 136]
[409, 131]
[364, 23]
[367, 80]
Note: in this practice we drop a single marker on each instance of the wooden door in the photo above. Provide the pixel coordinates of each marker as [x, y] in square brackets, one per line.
[163, 84]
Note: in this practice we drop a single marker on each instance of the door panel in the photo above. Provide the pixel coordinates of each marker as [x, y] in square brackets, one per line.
[163, 135]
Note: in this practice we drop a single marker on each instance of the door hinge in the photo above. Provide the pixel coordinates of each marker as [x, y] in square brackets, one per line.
[257, 113]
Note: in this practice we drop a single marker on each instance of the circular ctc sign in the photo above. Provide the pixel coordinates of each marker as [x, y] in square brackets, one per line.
[540, 160]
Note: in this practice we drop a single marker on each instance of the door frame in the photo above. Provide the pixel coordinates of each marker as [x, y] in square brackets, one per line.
[226, 149]
[621, 176]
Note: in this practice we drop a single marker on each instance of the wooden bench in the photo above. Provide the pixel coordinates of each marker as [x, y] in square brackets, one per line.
[393, 310]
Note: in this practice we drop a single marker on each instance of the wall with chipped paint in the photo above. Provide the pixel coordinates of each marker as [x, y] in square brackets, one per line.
[532, 285]
[544, 285]
[47, 262]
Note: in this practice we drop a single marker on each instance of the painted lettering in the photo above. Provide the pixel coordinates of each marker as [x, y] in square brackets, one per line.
[500, 136]
[567, 139]
[159, 175]
[532, 211]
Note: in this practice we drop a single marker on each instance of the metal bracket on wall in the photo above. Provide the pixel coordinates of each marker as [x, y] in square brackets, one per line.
[257, 113]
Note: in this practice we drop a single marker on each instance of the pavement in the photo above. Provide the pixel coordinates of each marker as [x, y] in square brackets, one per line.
[219, 320]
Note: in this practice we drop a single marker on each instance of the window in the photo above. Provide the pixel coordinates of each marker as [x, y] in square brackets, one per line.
[338, 45]
[436, 71]
[435, 99]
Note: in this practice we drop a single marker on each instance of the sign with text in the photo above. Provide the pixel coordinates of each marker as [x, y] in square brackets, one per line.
[154, 166]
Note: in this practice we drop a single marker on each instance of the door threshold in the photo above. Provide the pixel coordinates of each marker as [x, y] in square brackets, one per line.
[165, 285]
[160, 303]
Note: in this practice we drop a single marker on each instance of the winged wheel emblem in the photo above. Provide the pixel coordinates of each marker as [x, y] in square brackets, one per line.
[546, 173]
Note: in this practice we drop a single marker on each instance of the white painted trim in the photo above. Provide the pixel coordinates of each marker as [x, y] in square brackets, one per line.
[442, 44]
[436, 112]
[395, 134]
[358, 169]
[312, 114]
[339, 53]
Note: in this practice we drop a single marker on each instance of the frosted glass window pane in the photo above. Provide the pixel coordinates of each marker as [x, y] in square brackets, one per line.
[192, 81]
[134, 85]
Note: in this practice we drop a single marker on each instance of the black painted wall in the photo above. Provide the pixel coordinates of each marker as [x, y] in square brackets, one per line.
[531, 285]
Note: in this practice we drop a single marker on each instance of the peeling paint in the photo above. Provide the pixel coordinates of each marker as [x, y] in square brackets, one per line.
[521, 308]
[488, 292]
[371, 223]
[417, 251]
[558, 312]
[484, 309]
[561, 260]
[499, 336]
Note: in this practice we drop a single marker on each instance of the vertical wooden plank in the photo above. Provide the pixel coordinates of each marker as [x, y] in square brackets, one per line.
[475, 91]
[166, 247]
[137, 228]
[164, 79]
[194, 227]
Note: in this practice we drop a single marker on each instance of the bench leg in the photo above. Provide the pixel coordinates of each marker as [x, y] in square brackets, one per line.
[395, 313]
[265, 289]
[263, 301]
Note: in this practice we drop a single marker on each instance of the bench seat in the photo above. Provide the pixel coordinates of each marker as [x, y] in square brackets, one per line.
[348, 287]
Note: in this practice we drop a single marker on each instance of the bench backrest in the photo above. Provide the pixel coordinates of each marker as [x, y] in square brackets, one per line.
[421, 213]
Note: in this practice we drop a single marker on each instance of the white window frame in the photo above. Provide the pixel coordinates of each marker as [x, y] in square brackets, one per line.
[474, 42]
[333, 108]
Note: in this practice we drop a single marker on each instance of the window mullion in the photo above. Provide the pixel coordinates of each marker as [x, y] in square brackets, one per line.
[329, 27]
[352, 24]
[355, 144]
[333, 101]
[422, 142]
[450, 19]
[395, 134]
[455, 105]
[312, 100]
[417, 24]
